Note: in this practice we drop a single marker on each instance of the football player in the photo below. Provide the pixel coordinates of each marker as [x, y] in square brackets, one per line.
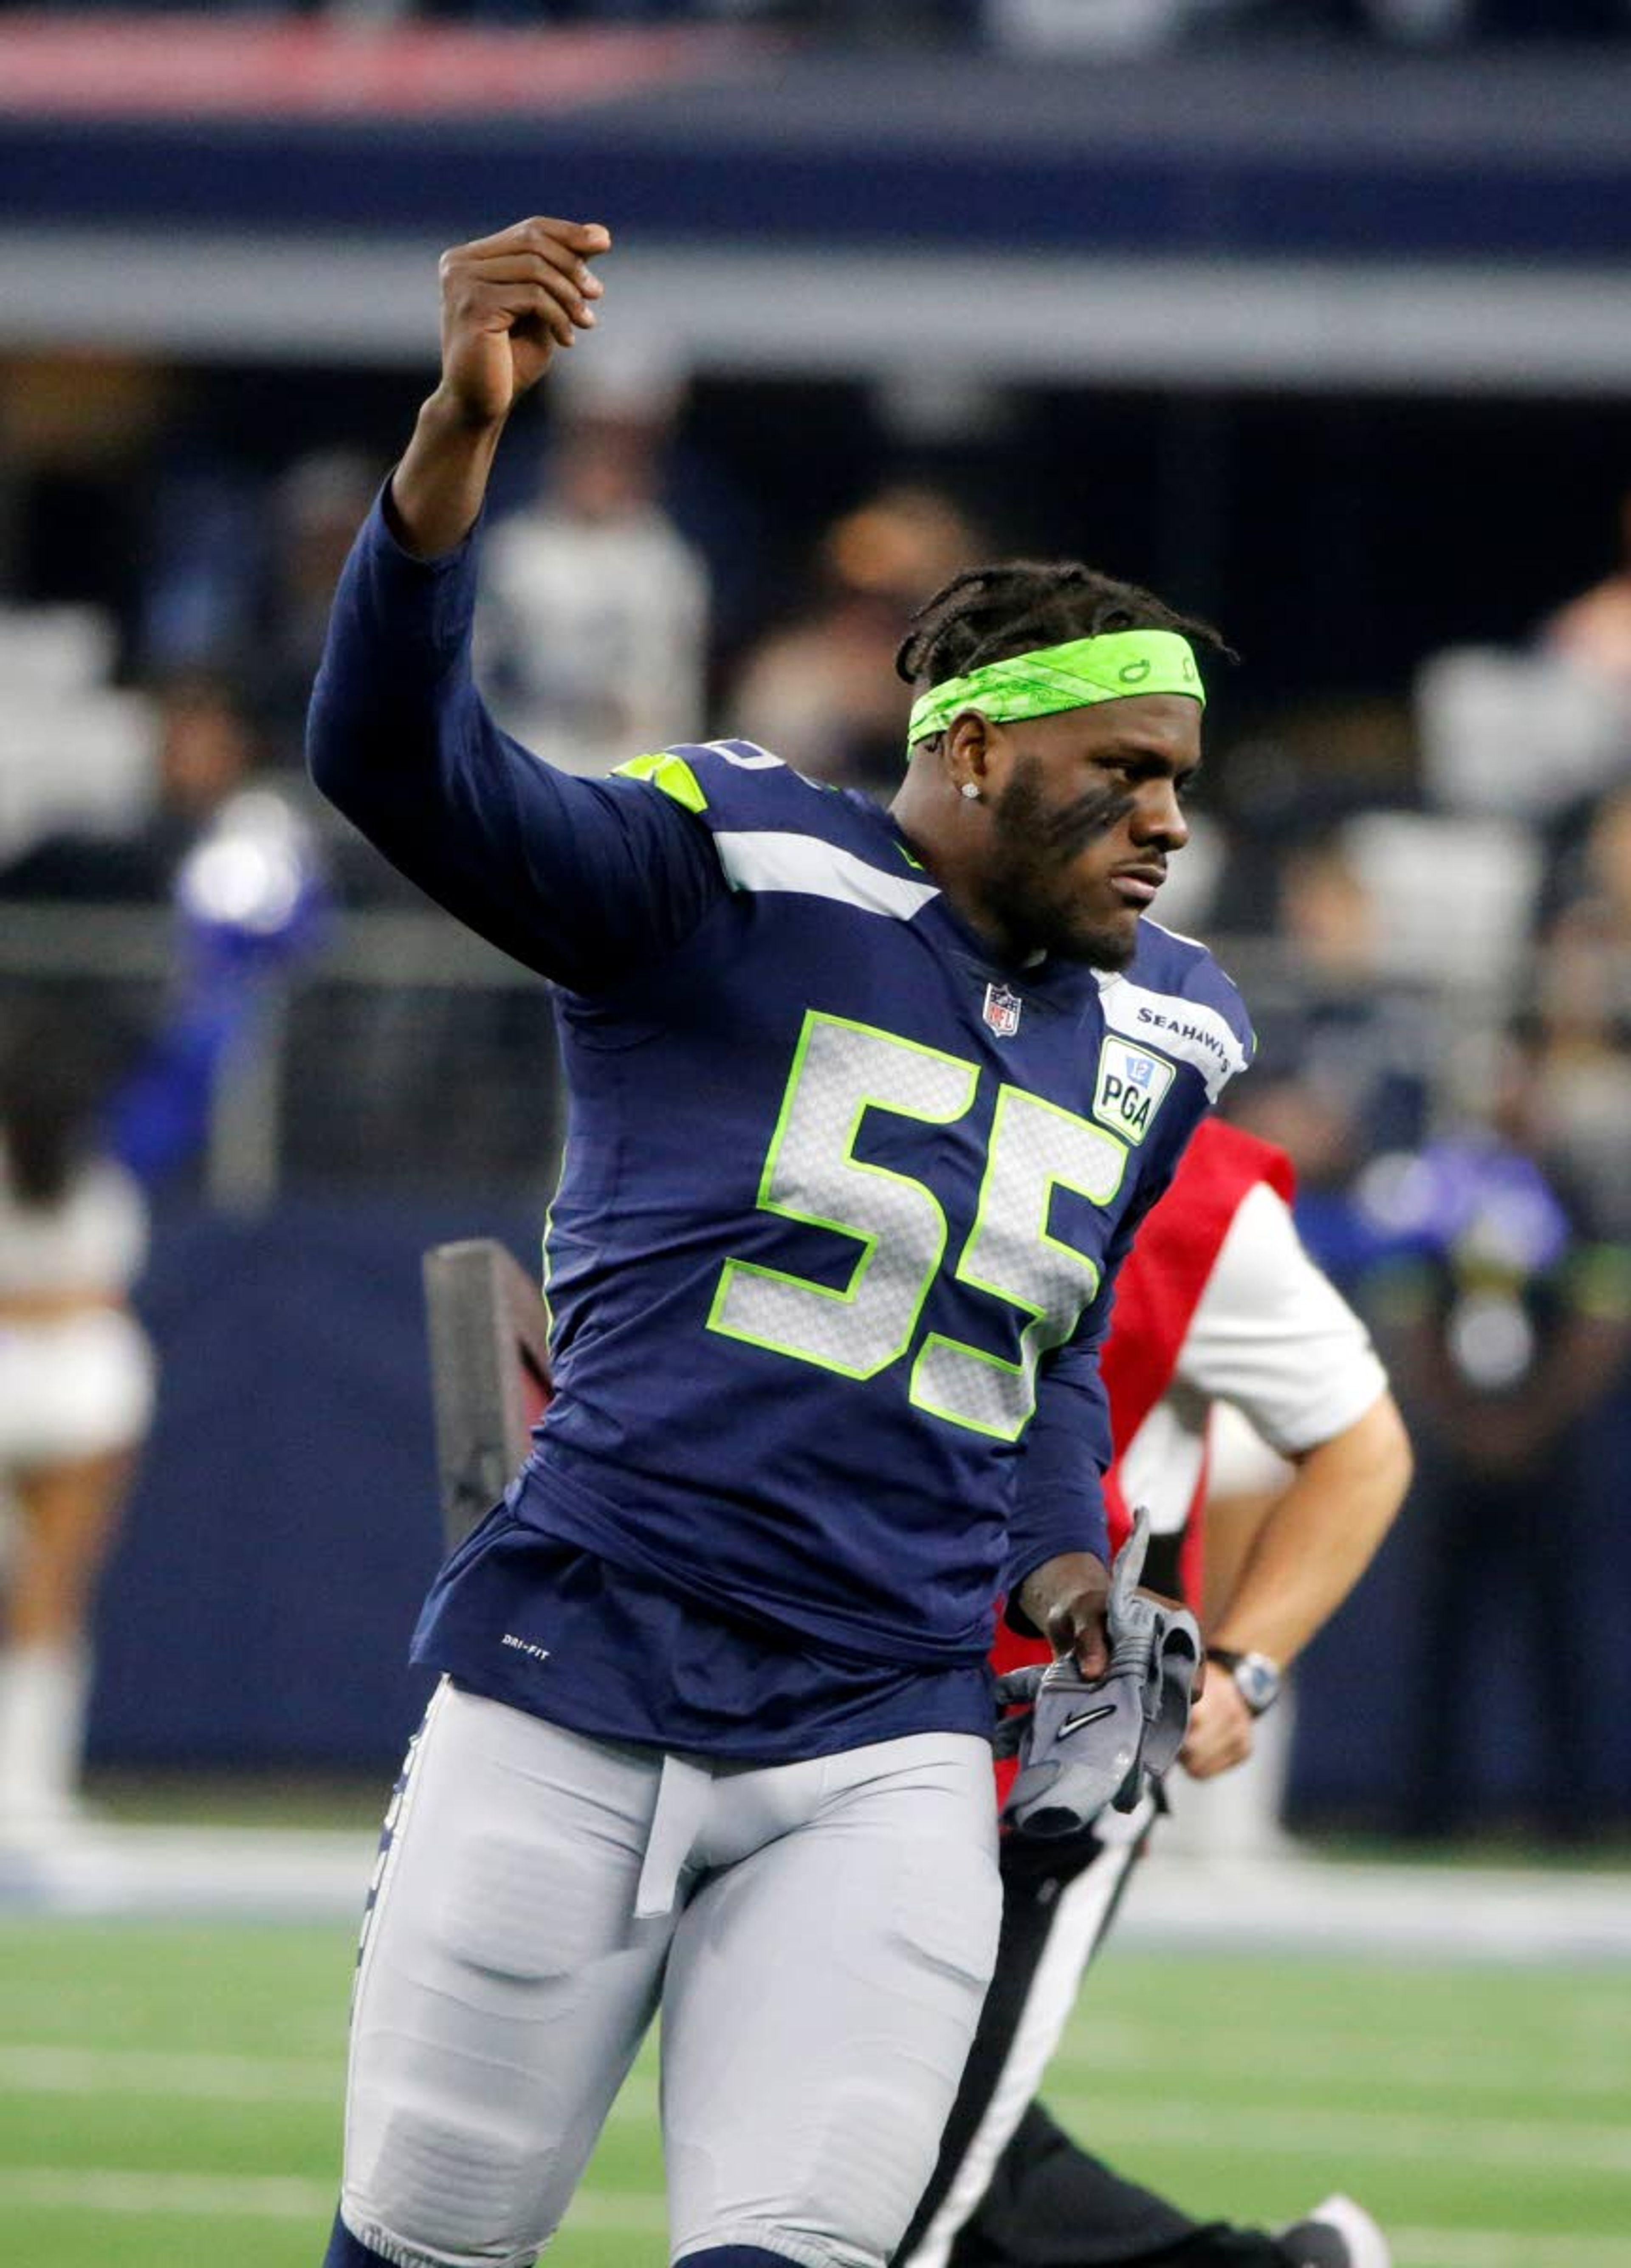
[865, 1106]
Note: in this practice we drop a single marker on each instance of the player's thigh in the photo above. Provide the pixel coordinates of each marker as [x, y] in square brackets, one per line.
[820, 1998]
[1055, 1913]
[503, 1986]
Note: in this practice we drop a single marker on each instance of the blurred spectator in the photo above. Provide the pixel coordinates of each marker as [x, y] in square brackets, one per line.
[1535, 732]
[203, 753]
[238, 862]
[242, 581]
[1594, 631]
[1361, 1041]
[316, 506]
[593, 631]
[1587, 962]
[1584, 1025]
[1519, 734]
[823, 693]
[89, 1116]
[75, 1393]
[250, 899]
[76, 754]
[1512, 1317]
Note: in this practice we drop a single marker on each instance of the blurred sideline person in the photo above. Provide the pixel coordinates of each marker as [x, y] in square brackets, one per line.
[1217, 1302]
[1593, 629]
[864, 1114]
[826, 681]
[92, 1116]
[592, 630]
[75, 1396]
[1509, 1310]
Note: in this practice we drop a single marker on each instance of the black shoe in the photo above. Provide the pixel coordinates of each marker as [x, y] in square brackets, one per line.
[1338, 2234]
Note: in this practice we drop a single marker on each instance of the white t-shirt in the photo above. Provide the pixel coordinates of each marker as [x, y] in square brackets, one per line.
[1270, 1335]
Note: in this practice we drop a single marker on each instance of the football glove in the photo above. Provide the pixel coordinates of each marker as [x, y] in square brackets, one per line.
[1087, 1743]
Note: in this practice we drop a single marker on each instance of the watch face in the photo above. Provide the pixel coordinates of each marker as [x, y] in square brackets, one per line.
[1259, 1681]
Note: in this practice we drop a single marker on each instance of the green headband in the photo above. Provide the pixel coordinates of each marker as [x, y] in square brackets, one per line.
[1054, 677]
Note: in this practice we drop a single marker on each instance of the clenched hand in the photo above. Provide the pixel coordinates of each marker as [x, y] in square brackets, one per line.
[509, 302]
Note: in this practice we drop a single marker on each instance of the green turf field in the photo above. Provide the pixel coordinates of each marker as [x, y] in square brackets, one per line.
[169, 2095]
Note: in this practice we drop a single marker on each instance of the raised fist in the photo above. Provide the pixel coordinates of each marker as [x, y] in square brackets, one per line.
[508, 301]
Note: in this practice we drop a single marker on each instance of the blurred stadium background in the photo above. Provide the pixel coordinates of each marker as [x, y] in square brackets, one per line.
[1317, 317]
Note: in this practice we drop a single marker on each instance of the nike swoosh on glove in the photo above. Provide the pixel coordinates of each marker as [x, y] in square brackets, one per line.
[1089, 1743]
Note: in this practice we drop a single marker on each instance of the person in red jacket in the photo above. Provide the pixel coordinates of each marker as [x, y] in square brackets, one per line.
[1217, 1302]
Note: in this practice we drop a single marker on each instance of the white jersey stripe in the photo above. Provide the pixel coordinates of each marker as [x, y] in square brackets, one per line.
[808, 867]
[747, 755]
[1187, 1029]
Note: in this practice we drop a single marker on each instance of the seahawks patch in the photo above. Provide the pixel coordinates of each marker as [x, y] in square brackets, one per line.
[1131, 1088]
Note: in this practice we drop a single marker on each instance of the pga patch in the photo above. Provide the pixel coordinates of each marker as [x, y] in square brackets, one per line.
[1132, 1086]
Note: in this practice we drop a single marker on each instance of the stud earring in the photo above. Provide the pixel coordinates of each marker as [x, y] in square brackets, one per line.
[971, 791]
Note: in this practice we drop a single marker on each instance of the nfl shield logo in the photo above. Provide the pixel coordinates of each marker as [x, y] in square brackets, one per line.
[1002, 1011]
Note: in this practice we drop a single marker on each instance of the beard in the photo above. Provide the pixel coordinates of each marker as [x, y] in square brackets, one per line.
[1028, 887]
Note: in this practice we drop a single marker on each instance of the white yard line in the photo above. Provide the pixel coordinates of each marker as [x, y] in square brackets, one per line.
[100, 2189]
[1272, 2130]
[1491, 2248]
[140, 2070]
[259, 2197]
[180, 2074]
[1118, 2052]
[92, 2072]
[1484, 2067]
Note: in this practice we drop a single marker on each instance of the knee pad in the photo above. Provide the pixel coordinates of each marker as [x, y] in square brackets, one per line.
[436, 2197]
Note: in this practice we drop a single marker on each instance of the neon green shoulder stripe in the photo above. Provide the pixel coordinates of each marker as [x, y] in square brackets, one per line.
[672, 774]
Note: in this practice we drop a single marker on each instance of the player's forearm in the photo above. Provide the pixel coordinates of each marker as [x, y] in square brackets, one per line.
[436, 492]
[1320, 1537]
[399, 740]
[382, 729]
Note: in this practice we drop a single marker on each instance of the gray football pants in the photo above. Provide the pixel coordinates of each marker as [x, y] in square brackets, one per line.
[819, 1936]
[1060, 1899]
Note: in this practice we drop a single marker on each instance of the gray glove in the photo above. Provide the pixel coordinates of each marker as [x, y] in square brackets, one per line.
[1089, 1743]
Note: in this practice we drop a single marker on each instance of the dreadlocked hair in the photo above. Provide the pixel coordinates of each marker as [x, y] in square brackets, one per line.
[988, 614]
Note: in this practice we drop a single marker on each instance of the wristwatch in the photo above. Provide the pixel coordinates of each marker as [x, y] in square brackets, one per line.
[1257, 1679]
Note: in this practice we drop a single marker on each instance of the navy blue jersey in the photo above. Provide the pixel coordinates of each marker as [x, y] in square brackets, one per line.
[841, 1209]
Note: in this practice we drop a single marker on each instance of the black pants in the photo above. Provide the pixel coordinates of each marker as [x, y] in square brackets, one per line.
[1051, 2206]
[1049, 2203]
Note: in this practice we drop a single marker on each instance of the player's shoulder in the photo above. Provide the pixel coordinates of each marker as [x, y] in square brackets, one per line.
[1174, 996]
[1168, 962]
[775, 830]
[736, 784]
